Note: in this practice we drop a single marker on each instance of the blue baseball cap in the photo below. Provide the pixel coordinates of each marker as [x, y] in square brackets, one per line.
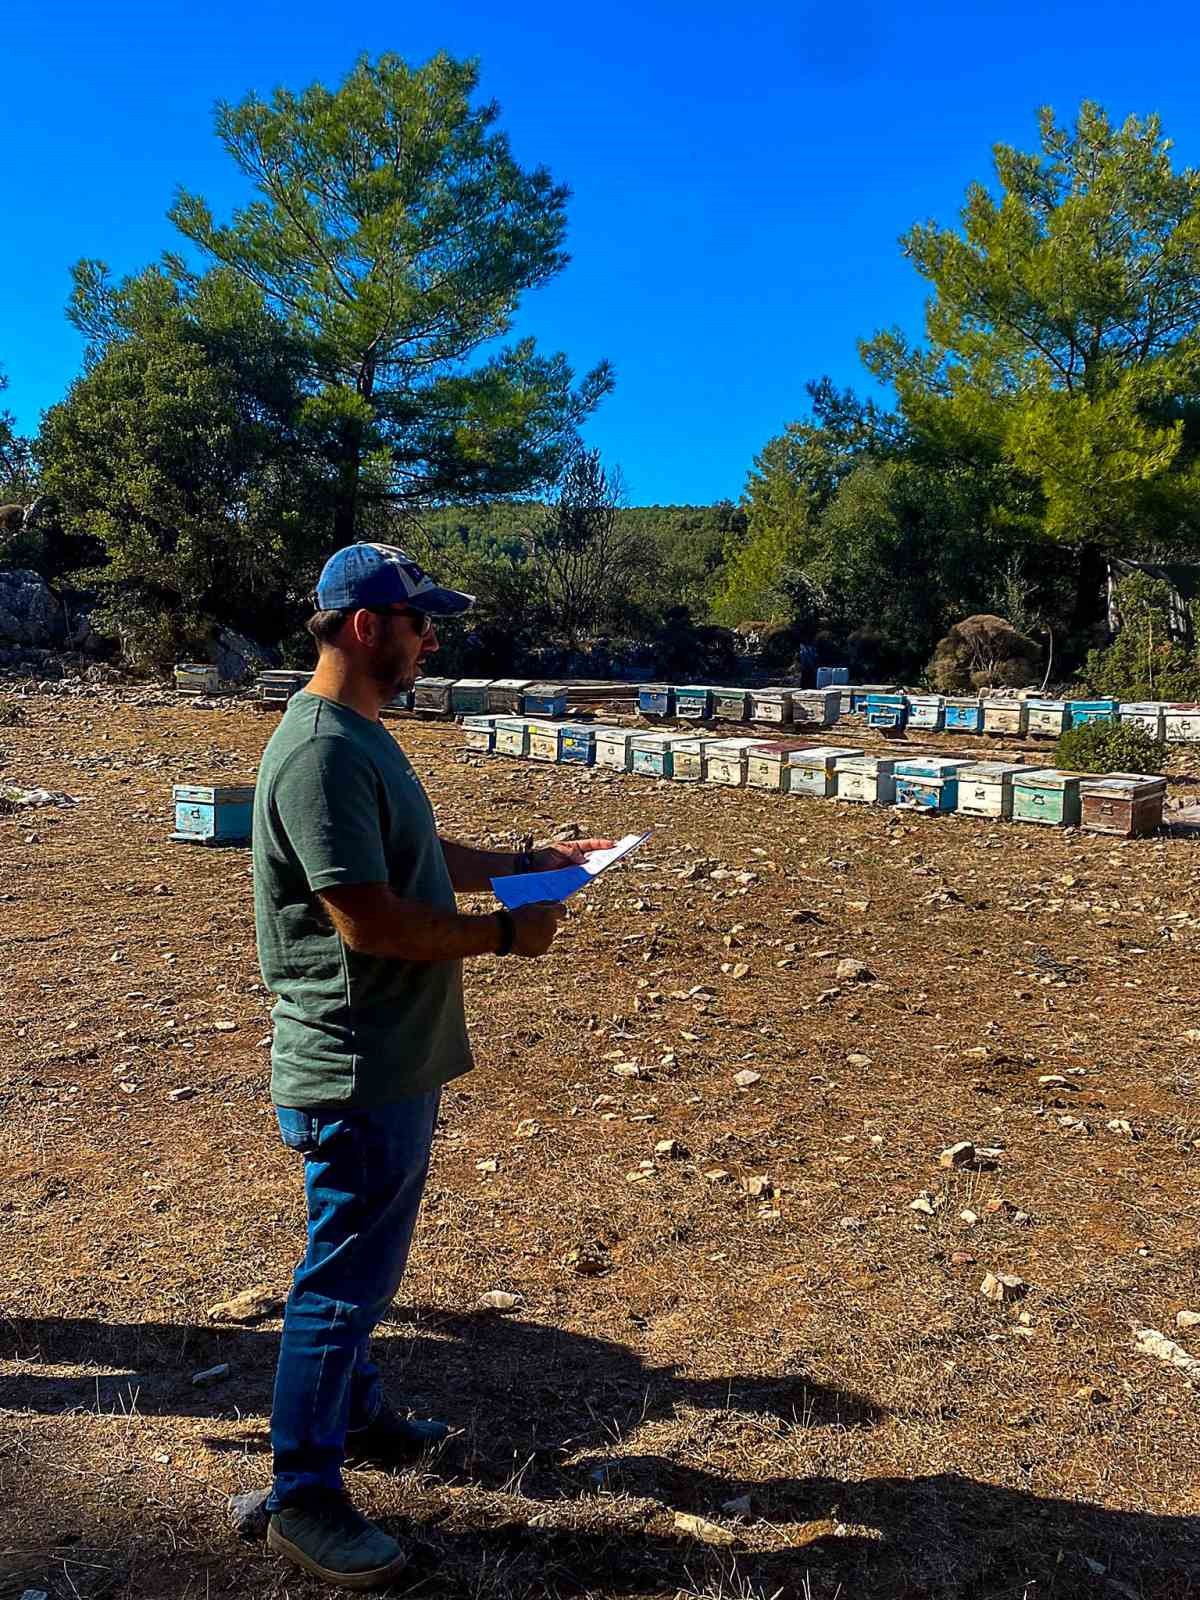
[384, 575]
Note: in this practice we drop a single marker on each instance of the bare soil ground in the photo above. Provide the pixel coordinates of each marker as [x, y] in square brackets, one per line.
[682, 1339]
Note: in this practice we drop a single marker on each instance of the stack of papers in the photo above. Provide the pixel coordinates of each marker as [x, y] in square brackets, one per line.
[560, 883]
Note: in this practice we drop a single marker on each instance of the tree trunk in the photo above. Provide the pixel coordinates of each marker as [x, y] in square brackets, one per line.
[1091, 589]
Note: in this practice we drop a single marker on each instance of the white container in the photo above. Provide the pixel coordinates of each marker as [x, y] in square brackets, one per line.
[869, 780]
[725, 761]
[926, 711]
[1147, 714]
[614, 748]
[985, 788]
[1047, 717]
[811, 771]
[687, 760]
[1181, 723]
[816, 708]
[1010, 717]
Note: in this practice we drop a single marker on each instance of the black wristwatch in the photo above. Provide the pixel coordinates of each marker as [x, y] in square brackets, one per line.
[523, 862]
[508, 932]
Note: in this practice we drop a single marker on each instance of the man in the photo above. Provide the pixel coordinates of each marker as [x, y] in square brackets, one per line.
[360, 938]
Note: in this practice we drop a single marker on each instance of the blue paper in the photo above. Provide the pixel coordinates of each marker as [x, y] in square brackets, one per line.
[532, 888]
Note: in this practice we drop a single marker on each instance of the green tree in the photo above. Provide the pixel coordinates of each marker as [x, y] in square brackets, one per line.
[1063, 334]
[393, 235]
[17, 477]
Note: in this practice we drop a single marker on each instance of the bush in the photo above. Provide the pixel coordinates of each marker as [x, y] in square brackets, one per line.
[1110, 747]
[984, 652]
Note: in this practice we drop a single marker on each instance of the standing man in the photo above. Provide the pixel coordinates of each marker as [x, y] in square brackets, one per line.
[360, 939]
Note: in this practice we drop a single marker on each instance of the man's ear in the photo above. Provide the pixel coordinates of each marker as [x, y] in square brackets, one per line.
[363, 626]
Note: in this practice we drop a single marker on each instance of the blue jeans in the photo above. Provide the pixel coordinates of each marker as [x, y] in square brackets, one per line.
[364, 1172]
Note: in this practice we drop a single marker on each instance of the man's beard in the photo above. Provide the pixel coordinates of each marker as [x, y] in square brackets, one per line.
[391, 672]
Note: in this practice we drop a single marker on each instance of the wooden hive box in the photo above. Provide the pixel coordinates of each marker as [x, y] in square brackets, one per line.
[860, 693]
[512, 736]
[614, 748]
[656, 699]
[964, 714]
[432, 695]
[196, 677]
[401, 701]
[278, 685]
[767, 763]
[725, 761]
[1047, 718]
[693, 702]
[731, 705]
[469, 696]
[544, 741]
[652, 754]
[816, 708]
[985, 788]
[1048, 796]
[545, 700]
[926, 711]
[687, 759]
[1126, 803]
[810, 770]
[771, 705]
[479, 733]
[1181, 722]
[869, 780]
[577, 744]
[213, 815]
[1081, 712]
[887, 710]
[505, 695]
[928, 783]
[1004, 716]
[1147, 714]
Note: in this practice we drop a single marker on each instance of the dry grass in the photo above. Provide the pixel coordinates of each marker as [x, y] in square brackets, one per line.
[898, 1435]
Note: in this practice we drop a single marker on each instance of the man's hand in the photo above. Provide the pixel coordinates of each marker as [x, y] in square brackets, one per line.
[571, 853]
[536, 927]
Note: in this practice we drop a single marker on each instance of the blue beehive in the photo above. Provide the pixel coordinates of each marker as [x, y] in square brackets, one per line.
[545, 700]
[832, 675]
[886, 710]
[656, 699]
[577, 744]
[1081, 712]
[694, 702]
[964, 716]
[213, 815]
[652, 753]
[928, 782]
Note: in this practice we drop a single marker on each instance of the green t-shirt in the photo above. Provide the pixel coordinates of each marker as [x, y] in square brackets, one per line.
[338, 803]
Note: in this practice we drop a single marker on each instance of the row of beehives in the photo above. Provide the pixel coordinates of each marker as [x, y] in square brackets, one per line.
[445, 697]
[1123, 803]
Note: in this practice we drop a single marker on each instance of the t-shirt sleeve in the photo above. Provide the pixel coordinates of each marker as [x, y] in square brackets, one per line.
[326, 801]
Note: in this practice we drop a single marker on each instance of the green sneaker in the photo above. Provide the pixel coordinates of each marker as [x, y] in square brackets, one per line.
[389, 1440]
[324, 1534]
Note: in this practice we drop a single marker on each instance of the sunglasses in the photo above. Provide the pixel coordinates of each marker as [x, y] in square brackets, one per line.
[422, 621]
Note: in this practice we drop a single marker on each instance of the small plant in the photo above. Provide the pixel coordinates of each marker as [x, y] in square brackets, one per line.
[1110, 747]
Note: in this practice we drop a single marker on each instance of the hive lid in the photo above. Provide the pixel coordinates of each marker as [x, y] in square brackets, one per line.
[547, 690]
[509, 683]
[861, 762]
[434, 683]
[929, 767]
[1048, 778]
[816, 755]
[1126, 785]
[990, 771]
[472, 683]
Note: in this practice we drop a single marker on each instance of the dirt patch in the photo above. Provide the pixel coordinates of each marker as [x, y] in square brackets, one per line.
[686, 1335]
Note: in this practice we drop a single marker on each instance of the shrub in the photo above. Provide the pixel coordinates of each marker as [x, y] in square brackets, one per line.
[984, 652]
[1110, 747]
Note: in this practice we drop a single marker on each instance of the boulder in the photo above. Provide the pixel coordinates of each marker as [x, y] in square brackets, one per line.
[30, 613]
[237, 658]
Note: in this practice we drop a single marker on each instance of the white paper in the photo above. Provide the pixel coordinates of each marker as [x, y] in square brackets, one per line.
[560, 883]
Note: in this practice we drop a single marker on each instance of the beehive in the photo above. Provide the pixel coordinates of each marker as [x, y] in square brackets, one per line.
[985, 788]
[220, 814]
[432, 695]
[577, 744]
[652, 753]
[1046, 795]
[479, 733]
[545, 700]
[928, 783]
[964, 714]
[730, 705]
[926, 711]
[687, 760]
[1081, 712]
[1125, 803]
[614, 748]
[725, 761]
[1181, 722]
[693, 702]
[544, 741]
[1146, 714]
[469, 696]
[887, 710]
[816, 708]
[279, 685]
[859, 693]
[505, 695]
[512, 736]
[1047, 718]
[401, 701]
[771, 705]
[828, 675]
[196, 677]
[767, 763]
[810, 771]
[869, 780]
[656, 699]
[1010, 717]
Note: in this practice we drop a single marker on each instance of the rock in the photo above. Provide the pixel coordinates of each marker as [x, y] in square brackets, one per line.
[251, 1305]
[225, 1027]
[185, 1092]
[1092, 1396]
[699, 1528]
[857, 1060]
[209, 1375]
[853, 1224]
[971, 1218]
[627, 1069]
[589, 1260]
[237, 658]
[737, 1508]
[30, 614]
[962, 1258]
[1187, 1319]
[1002, 1286]
[248, 1512]
[1153, 1343]
[760, 1188]
[747, 1078]
[927, 1204]
[670, 1147]
[1055, 1080]
[490, 1164]
[961, 1154]
[740, 969]
[851, 970]
[716, 1175]
[528, 1128]
[499, 1300]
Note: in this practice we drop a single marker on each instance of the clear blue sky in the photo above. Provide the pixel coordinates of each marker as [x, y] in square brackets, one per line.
[741, 172]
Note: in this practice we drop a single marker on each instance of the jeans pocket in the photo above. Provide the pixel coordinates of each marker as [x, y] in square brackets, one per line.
[297, 1129]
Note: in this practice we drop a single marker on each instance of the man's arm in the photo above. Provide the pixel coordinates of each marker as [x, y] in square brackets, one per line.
[471, 871]
[375, 921]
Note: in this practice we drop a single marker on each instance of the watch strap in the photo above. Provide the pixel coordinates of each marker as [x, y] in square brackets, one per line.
[508, 932]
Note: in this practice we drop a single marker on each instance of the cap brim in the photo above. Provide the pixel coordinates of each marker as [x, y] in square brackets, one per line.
[441, 602]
